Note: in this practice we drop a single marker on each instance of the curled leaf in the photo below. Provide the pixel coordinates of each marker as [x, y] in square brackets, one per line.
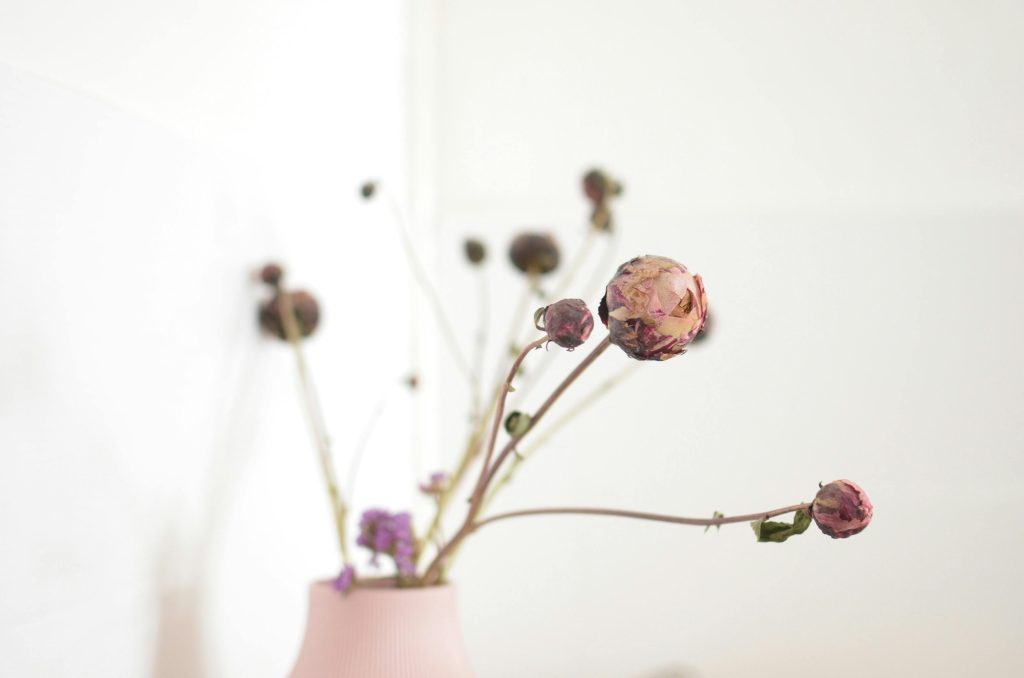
[777, 531]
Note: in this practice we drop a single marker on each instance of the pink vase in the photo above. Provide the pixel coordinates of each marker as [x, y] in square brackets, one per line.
[382, 631]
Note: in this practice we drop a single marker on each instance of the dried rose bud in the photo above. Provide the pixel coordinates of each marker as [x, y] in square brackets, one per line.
[368, 189]
[841, 509]
[307, 313]
[534, 253]
[598, 186]
[475, 251]
[568, 322]
[271, 274]
[436, 484]
[653, 308]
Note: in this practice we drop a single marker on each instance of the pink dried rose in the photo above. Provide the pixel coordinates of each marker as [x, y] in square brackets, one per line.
[568, 322]
[653, 308]
[841, 509]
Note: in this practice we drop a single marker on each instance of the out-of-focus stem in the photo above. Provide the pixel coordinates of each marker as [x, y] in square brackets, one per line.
[577, 263]
[658, 517]
[420, 273]
[314, 414]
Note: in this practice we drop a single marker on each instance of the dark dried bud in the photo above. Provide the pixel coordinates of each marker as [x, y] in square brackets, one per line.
[568, 322]
[841, 509]
[271, 274]
[534, 253]
[598, 186]
[518, 423]
[475, 251]
[305, 306]
[368, 189]
[413, 382]
[601, 218]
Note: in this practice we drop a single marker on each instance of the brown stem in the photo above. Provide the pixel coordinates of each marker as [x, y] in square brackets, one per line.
[498, 416]
[433, 572]
[659, 517]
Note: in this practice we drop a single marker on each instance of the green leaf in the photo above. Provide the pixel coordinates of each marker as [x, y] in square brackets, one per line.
[715, 515]
[776, 531]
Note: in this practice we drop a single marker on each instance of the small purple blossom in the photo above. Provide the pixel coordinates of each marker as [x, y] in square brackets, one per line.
[437, 483]
[343, 582]
[389, 534]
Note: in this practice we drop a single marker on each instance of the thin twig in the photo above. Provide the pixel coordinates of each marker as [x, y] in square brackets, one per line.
[658, 517]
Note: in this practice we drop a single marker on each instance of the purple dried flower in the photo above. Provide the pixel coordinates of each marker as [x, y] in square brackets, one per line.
[568, 322]
[437, 483]
[653, 308]
[343, 582]
[841, 509]
[389, 534]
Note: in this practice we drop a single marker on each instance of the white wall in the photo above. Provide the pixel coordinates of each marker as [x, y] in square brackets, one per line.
[849, 179]
[160, 508]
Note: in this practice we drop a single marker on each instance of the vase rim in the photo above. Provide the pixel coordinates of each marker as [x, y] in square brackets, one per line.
[383, 585]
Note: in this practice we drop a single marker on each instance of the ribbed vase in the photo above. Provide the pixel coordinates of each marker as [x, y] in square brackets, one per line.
[382, 631]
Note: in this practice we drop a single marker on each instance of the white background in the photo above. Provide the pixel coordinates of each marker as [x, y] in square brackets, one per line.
[846, 176]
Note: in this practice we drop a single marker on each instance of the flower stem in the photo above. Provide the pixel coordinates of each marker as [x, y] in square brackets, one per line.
[441, 560]
[551, 430]
[314, 414]
[658, 517]
[420, 273]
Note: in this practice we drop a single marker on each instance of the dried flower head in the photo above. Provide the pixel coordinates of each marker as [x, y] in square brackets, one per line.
[568, 322]
[841, 509]
[534, 253]
[518, 423]
[598, 186]
[437, 484]
[475, 251]
[271, 274]
[390, 534]
[653, 308]
[368, 189]
[307, 313]
[343, 582]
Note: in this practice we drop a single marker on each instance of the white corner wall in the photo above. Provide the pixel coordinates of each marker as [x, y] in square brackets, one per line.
[160, 508]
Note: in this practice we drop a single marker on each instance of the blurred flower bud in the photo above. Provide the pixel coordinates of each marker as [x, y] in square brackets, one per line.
[437, 483]
[534, 253]
[601, 218]
[598, 186]
[412, 381]
[475, 251]
[307, 313]
[271, 274]
[653, 308]
[841, 509]
[368, 189]
[568, 322]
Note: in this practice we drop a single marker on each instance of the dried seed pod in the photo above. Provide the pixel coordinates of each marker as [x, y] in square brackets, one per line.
[307, 314]
[534, 253]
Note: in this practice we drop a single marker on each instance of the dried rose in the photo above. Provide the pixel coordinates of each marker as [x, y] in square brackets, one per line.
[534, 253]
[307, 313]
[653, 308]
[841, 509]
[568, 322]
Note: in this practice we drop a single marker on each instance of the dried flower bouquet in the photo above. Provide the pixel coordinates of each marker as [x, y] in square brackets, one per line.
[653, 308]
